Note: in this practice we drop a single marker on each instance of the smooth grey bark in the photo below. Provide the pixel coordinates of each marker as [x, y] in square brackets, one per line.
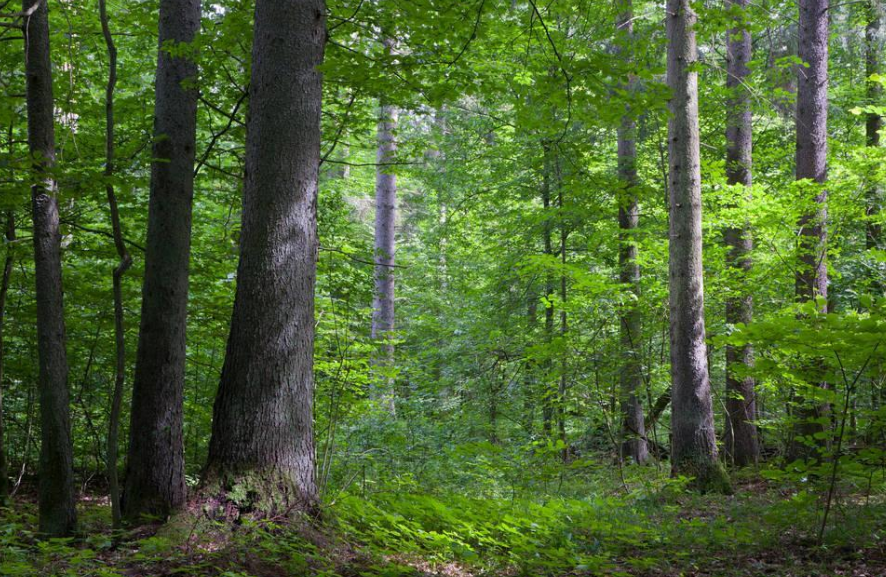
[873, 120]
[741, 443]
[56, 485]
[633, 429]
[123, 265]
[693, 444]
[155, 481]
[385, 258]
[811, 279]
[8, 261]
[262, 430]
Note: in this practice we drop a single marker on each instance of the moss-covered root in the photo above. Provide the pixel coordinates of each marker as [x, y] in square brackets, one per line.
[257, 494]
[706, 475]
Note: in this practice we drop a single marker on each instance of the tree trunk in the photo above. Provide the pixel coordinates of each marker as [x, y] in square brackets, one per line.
[548, 392]
[155, 480]
[873, 120]
[4, 291]
[262, 449]
[121, 268]
[630, 327]
[385, 223]
[811, 164]
[56, 487]
[693, 447]
[741, 433]
[564, 325]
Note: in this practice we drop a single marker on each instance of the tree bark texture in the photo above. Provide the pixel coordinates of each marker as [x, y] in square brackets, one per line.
[262, 445]
[155, 481]
[873, 120]
[741, 444]
[693, 445]
[57, 515]
[811, 279]
[385, 259]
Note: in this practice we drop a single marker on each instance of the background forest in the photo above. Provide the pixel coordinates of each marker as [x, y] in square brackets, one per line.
[599, 287]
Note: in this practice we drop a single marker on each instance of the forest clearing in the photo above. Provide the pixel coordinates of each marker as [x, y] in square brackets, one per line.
[367, 288]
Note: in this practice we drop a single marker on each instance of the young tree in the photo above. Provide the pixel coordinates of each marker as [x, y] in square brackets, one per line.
[741, 433]
[634, 444]
[56, 486]
[262, 430]
[873, 120]
[121, 268]
[811, 165]
[8, 261]
[385, 247]
[155, 480]
[693, 445]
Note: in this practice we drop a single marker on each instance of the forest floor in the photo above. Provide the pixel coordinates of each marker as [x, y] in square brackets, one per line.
[763, 529]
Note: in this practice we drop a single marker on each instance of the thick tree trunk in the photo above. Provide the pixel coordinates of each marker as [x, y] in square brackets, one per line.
[811, 164]
[262, 446]
[873, 120]
[741, 434]
[121, 268]
[4, 291]
[630, 327]
[56, 487]
[385, 228]
[155, 481]
[693, 446]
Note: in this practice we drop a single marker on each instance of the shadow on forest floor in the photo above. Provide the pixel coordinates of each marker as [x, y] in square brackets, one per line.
[761, 530]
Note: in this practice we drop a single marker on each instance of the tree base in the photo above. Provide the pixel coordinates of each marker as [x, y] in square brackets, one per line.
[706, 475]
[257, 494]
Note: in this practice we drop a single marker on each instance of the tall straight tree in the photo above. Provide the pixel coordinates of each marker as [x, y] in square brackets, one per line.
[56, 487]
[634, 444]
[811, 280]
[873, 120]
[155, 480]
[385, 227]
[262, 428]
[693, 446]
[741, 432]
[8, 262]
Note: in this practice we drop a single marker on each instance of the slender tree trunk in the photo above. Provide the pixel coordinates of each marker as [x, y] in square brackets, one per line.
[693, 446]
[741, 433]
[155, 479]
[4, 291]
[873, 120]
[529, 369]
[262, 442]
[811, 164]
[385, 228]
[548, 392]
[56, 488]
[564, 324]
[119, 271]
[634, 444]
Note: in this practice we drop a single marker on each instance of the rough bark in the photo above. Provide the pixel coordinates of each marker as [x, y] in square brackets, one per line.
[385, 230]
[121, 268]
[155, 482]
[741, 443]
[693, 445]
[56, 487]
[633, 432]
[261, 455]
[4, 291]
[811, 280]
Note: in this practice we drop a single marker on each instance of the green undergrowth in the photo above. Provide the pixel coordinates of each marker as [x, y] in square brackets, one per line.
[636, 529]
